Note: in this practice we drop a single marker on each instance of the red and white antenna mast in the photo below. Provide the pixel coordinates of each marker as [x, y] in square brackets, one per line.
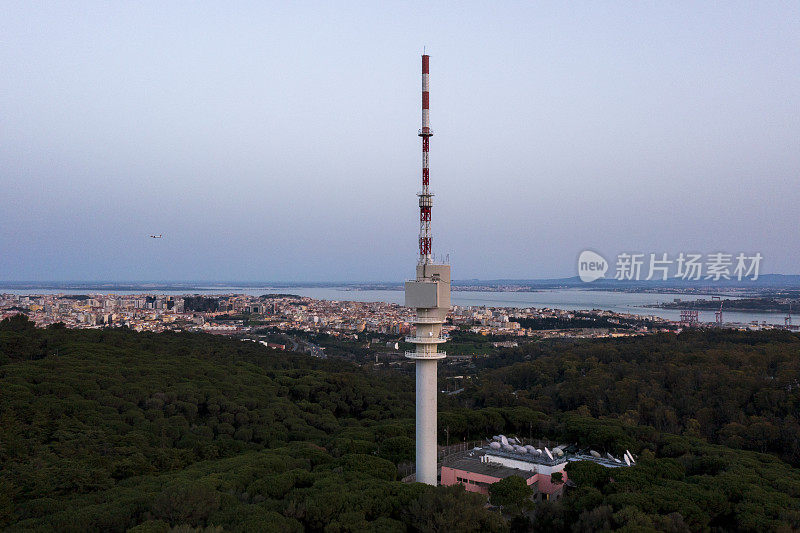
[425, 196]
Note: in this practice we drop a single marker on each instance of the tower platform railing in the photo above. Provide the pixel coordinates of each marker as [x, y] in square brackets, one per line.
[427, 340]
[427, 320]
[424, 355]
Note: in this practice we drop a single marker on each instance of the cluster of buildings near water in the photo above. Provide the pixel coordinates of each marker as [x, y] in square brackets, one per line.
[233, 314]
[230, 314]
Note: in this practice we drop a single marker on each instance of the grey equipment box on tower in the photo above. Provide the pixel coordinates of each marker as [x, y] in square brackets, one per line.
[431, 288]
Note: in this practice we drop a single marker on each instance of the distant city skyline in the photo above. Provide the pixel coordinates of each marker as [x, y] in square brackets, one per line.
[279, 142]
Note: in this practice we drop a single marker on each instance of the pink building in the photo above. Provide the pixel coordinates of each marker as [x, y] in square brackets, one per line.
[476, 473]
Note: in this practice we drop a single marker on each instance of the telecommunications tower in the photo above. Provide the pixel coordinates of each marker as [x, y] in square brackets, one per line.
[429, 294]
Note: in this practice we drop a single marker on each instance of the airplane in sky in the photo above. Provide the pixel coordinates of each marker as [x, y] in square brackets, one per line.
[155, 236]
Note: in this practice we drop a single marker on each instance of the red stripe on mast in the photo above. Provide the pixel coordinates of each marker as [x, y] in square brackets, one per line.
[425, 197]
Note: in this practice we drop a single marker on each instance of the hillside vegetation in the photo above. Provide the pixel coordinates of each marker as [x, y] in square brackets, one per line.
[112, 430]
[741, 389]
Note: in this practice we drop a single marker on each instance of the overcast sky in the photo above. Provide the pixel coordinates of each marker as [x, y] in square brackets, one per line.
[278, 141]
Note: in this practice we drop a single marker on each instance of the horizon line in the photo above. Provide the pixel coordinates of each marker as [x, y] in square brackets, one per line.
[356, 282]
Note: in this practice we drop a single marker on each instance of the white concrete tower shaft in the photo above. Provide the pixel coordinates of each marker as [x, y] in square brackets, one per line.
[429, 294]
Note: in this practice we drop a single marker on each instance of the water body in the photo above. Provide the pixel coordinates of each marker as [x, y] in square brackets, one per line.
[569, 299]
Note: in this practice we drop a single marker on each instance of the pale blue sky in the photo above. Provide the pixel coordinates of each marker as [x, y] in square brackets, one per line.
[277, 141]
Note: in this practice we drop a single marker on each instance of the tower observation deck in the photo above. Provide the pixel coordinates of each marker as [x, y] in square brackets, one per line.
[429, 294]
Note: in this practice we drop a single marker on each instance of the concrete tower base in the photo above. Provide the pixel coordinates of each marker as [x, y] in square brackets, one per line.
[426, 421]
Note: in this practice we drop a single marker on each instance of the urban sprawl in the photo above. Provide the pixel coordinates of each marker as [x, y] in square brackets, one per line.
[234, 314]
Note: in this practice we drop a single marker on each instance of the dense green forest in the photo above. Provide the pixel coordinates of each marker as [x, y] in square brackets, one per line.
[741, 389]
[112, 430]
